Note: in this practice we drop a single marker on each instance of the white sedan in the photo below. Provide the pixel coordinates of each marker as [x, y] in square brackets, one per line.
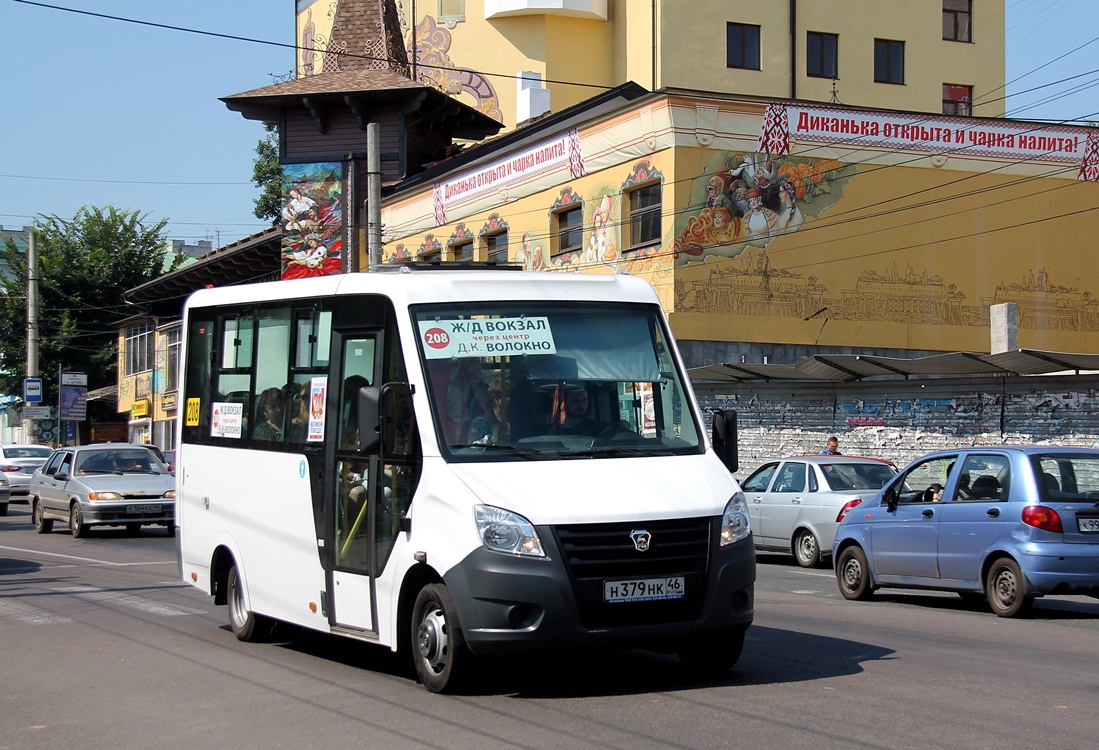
[796, 503]
[110, 484]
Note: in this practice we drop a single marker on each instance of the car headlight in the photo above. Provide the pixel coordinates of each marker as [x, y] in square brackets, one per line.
[503, 531]
[734, 521]
[104, 497]
[170, 495]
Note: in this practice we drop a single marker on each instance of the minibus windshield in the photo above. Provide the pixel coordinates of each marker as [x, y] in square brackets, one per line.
[535, 380]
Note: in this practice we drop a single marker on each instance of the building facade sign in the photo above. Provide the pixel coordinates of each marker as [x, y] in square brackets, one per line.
[897, 130]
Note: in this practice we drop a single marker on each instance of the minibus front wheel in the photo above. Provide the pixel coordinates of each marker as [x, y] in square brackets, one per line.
[438, 647]
[247, 626]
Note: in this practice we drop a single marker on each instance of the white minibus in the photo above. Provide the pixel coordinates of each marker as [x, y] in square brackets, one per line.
[456, 463]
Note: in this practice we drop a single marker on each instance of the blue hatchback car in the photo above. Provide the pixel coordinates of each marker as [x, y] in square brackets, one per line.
[1006, 523]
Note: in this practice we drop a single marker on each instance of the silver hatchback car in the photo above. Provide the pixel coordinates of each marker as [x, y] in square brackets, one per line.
[112, 484]
[797, 503]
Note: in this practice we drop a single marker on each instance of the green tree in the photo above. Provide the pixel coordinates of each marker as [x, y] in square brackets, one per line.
[84, 267]
[267, 175]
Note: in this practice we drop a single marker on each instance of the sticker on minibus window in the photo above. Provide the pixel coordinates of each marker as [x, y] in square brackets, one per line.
[489, 337]
[317, 397]
[227, 420]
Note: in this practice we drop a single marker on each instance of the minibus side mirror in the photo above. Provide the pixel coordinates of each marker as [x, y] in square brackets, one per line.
[386, 419]
[368, 404]
[724, 438]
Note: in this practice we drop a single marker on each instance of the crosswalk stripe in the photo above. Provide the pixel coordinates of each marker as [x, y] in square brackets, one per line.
[128, 600]
[30, 615]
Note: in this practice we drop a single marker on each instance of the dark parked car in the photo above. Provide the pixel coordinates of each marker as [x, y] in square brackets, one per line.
[110, 484]
[1006, 523]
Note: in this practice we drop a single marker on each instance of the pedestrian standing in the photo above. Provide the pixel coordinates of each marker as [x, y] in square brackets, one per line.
[832, 447]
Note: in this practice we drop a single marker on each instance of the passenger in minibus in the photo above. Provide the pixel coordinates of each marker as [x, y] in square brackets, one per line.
[570, 415]
[269, 419]
[493, 426]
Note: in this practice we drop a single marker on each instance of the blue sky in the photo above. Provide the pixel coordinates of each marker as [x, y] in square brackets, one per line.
[103, 112]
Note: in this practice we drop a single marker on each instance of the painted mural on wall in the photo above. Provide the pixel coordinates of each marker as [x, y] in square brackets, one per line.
[312, 220]
[430, 49]
[745, 200]
[316, 52]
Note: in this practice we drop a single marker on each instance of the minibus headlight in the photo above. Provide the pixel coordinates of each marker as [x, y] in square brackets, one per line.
[503, 531]
[734, 521]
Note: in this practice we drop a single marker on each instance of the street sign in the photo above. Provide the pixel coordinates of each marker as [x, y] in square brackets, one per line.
[36, 412]
[32, 390]
[74, 396]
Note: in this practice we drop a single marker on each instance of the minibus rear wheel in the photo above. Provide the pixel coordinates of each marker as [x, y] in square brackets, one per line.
[438, 647]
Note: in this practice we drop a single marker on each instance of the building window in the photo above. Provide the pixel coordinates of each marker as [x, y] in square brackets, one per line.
[139, 348]
[956, 99]
[888, 61]
[644, 203]
[822, 55]
[569, 229]
[742, 46]
[171, 338]
[957, 15]
[496, 247]
[462, 251]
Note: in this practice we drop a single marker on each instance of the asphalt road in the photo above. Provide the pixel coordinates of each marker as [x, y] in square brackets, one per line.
[102, 647]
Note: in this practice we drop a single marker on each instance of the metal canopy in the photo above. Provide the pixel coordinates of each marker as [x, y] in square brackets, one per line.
[841, 368]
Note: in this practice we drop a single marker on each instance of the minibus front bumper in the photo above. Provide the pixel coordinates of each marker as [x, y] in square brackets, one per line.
[510, 604]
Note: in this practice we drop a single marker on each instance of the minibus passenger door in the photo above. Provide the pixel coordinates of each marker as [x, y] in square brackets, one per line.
[349, 510]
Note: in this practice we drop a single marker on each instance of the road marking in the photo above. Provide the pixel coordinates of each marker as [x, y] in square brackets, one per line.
[30, 615]
[128, 600]
[86, 559]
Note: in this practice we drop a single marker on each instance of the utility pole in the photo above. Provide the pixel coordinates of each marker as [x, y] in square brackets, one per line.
[373, 196]
[32, 320]
[32, 305]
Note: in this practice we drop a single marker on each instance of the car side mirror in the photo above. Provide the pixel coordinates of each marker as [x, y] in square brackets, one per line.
[724, 437]
[890, 498]
[62, 474]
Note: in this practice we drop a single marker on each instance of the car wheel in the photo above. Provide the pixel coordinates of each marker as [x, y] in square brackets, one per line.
[1006, 589]
[806, 549]
[246, 625]
[42, 524]
[853, 574]
[77, 526]
[438, 646]
[133, 529]
[712, 656]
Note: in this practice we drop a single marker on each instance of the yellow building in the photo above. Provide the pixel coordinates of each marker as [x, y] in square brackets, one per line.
[798, 226]
[516, 59]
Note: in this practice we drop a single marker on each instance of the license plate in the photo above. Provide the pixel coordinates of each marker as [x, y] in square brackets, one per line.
[144, 509]
[644, 590]
[1088, 525]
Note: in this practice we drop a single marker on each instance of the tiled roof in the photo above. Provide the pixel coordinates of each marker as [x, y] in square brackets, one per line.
[349, 82]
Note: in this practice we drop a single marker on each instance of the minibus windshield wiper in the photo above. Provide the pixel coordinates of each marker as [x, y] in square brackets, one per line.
[611, 450]
[497, 447]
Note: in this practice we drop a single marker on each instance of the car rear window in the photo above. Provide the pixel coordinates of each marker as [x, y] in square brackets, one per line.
[856, 476]
[1063, 476]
